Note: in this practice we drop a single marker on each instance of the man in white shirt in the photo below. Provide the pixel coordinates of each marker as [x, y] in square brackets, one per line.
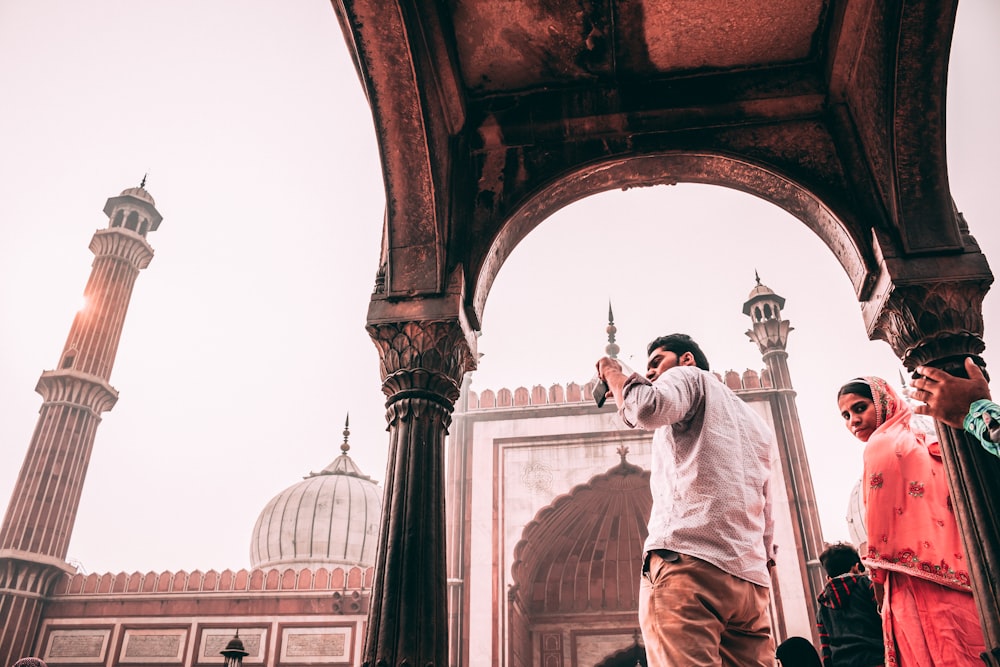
[705, 588]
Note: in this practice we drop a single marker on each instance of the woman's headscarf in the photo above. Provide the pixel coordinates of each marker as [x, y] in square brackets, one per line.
[886, 401]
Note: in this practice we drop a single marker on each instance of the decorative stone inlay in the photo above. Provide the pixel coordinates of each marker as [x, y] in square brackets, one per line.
[164, 645]
[537, 476]
[314, 645]
[69, 644]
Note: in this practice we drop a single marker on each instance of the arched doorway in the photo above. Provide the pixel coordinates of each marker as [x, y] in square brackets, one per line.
[576, 570]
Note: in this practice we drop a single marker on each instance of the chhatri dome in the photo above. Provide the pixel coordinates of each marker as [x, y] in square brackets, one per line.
[331, 517]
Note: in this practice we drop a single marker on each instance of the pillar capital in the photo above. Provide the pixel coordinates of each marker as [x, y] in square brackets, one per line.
[422, 358]
[928, 308]
[425, 344]
[931, 323]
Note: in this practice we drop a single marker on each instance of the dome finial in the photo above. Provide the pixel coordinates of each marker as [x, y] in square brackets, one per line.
[756, 276]
[142, 184]
[611, 349]
[347, 432]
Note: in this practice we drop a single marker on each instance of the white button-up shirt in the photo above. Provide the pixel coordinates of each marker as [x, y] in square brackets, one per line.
[711, 469]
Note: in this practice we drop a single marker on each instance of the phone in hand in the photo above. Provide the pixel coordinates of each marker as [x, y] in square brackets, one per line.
[600, 392]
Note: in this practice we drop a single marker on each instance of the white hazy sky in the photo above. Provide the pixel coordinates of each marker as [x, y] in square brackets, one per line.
[244, 346]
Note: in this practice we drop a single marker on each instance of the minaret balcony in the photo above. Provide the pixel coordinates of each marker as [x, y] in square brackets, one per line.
[72, 387]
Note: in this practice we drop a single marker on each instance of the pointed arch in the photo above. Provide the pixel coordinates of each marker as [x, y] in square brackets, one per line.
[583, 552]
[828, 214]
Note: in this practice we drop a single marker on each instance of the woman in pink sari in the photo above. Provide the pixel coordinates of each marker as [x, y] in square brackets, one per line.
[915, 554]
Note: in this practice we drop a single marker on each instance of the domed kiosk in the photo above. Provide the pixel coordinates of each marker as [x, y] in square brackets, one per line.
[331, 517]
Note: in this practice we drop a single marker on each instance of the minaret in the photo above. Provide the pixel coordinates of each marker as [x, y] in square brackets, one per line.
[36, 531]
[770, 332]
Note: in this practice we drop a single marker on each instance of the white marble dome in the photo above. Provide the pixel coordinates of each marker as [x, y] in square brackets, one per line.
[329, 518]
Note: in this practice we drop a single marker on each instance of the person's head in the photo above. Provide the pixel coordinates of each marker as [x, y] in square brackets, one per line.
[840, 558]
[798, 652]
[29, 662]
[857, 407]
[676, 349]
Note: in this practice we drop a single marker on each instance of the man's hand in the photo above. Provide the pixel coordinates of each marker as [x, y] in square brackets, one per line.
[610, 371]
[604, 364]
[947, 398]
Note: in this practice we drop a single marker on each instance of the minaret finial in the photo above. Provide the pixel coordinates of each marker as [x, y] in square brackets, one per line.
[756, 276]
[143, 183]
[611, 349]
[347, 432]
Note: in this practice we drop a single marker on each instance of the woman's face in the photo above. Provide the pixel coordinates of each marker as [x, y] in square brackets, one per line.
[859, 415]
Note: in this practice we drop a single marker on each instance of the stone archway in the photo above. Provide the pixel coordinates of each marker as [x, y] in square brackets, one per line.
[486, 118]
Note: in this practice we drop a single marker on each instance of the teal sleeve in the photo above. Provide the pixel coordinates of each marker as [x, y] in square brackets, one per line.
[983, 421]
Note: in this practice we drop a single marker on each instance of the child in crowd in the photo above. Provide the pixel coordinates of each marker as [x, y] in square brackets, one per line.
[797, 652]
[850, 627]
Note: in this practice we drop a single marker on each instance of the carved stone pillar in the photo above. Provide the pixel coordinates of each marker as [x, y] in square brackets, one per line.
[422, 364]
[939, 325]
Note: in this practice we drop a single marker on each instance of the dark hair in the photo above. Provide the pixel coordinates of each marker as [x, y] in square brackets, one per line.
[798, 652]
[839, 558]
[29, 662]
[857, 386]
[679, 343]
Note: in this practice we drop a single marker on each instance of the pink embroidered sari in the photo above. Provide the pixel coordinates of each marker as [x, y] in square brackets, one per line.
[914, 549]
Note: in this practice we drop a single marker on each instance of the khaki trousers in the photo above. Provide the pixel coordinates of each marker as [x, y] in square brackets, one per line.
[693, 614]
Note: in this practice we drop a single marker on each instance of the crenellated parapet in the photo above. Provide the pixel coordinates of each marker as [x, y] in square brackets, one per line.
[570, 393]
[342, 581]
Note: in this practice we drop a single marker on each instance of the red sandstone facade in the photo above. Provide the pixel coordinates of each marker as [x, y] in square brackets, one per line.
[285, 618]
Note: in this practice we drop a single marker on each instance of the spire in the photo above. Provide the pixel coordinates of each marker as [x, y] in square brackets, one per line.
[611, 349]
[344, 447]
[343, 464]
